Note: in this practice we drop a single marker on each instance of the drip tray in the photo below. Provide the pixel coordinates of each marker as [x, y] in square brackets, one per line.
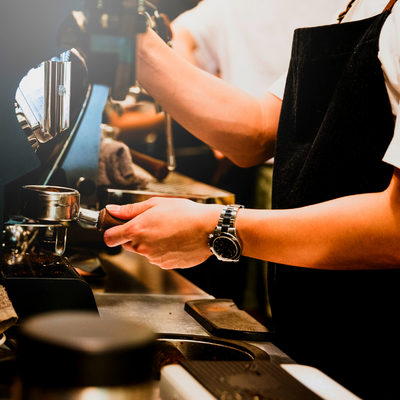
[248, 381]
[176, 349]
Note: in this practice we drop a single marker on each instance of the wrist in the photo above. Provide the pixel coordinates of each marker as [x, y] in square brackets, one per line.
[224, 242]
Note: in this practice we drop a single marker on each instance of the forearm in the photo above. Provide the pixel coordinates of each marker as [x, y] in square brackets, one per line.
[136, 125]
[355, 232]
[226, 118]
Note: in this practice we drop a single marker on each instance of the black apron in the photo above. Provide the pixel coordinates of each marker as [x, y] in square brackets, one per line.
[336, 124]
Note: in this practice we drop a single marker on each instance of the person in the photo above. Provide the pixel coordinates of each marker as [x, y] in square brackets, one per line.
[249, 47]
[335, 224]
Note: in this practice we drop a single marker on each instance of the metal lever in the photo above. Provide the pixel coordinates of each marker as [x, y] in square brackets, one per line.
[57, 91]
[164, 31]
[171, 160]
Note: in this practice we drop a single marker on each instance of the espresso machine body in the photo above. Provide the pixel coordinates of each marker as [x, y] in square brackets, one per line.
[26, 40]
[49, 35]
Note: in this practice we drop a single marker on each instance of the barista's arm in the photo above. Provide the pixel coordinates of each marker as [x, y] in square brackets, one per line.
[240, 126]
[361, 231]
[353, 232]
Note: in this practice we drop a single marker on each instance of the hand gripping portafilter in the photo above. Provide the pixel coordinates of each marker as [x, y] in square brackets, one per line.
[58, 204]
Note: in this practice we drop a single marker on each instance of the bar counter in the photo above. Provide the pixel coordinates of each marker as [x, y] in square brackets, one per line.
[130, 288]
[137, 290]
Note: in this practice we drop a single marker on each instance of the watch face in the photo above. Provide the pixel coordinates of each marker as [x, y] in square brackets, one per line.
[226, 246]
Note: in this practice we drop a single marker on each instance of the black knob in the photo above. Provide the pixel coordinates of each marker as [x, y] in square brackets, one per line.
[80, 349]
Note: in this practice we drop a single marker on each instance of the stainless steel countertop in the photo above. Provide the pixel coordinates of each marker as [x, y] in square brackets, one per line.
[156, 297]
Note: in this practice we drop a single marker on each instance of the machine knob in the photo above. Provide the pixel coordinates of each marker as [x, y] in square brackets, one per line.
[86, 187]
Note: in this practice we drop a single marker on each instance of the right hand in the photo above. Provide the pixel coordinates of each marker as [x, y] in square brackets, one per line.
[169, 232]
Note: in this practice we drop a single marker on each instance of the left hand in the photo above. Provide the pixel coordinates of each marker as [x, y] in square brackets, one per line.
[169, 232]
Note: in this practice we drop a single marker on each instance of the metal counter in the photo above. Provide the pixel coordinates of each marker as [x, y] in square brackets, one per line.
[140, 291]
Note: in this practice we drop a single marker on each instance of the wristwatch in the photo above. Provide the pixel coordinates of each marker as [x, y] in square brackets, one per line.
[223, 242]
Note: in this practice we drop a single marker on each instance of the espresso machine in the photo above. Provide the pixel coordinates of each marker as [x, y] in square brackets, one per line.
[61, 61]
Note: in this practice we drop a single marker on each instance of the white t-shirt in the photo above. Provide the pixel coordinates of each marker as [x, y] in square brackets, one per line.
[249, 42]
[389, 55]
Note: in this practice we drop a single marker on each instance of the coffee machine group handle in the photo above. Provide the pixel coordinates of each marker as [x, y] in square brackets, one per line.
[102, 219]
[106, 220]
[157, 168]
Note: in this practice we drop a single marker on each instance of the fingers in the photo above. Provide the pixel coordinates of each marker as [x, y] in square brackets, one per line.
[115, 236]
[123, 234]
[128, 211]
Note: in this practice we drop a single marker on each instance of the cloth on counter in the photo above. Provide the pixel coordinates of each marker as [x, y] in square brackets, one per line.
[8, 316]
[116, 168]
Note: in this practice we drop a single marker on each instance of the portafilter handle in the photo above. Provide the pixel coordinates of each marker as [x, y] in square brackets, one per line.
[102, 219]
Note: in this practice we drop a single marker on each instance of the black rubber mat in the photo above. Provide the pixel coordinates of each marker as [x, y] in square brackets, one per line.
[241, 380]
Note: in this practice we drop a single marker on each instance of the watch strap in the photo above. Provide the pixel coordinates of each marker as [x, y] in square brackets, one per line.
[226, 221]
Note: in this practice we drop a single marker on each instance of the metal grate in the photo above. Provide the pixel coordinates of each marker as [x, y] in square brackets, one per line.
[174, 185]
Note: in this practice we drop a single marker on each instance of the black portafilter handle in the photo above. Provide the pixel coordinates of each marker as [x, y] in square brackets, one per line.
[163, 26]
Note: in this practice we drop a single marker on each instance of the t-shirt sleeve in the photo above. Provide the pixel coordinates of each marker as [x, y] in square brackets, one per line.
[202, 23]
[278, 87]
[389, 56]
[392, 155]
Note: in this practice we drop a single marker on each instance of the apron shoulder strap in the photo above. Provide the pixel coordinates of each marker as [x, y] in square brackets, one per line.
[343, 14]
[389, 6]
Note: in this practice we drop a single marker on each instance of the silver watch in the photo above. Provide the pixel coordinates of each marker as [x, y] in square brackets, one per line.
[223, 242]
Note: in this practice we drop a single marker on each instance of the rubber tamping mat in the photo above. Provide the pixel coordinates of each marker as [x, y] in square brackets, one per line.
[221, 317]
[244, 380]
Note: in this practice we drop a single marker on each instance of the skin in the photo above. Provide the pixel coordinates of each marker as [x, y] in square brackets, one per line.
[354, 232]
[240, 126]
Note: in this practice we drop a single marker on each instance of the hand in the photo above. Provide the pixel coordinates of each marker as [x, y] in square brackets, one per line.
[169, 232]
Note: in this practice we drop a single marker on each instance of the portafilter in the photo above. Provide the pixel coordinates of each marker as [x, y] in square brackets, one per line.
[58, 204]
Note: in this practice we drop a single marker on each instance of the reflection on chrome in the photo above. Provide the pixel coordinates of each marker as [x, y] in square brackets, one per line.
[43, 100]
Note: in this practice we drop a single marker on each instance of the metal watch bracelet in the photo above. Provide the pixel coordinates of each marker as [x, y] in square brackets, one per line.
[226, 222]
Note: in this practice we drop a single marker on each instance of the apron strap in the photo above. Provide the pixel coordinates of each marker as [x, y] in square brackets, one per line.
[343, 14]
[390, 5]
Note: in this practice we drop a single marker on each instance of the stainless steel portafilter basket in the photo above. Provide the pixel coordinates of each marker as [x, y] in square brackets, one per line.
[50, 203]
[61, 204]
